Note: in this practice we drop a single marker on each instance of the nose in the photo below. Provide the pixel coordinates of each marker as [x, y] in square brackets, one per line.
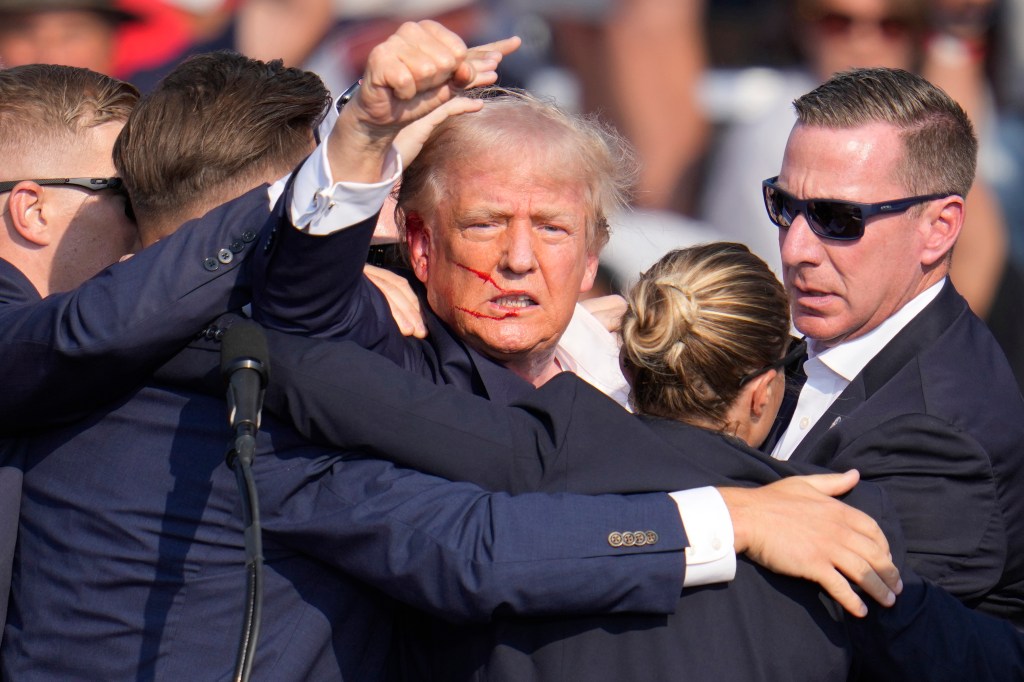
[519, 255]
[799, 244]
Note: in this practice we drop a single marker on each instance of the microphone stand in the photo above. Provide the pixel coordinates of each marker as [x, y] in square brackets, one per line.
[245, 365]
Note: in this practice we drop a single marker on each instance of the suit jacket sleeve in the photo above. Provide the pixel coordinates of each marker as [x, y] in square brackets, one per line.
[921, 461]
[338, 394]
[464, 554]
[314, 285]
[930, 635]
[927, 634]
[63, 355]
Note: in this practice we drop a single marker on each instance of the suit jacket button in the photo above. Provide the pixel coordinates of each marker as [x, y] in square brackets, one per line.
[615, 539]
[248, 236]
[640, 538]
[628, 539]
[652, 537]
[237, 246]
[211, 264]
[225, 256]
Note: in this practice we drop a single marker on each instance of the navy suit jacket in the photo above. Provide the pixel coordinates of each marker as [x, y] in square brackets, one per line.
[937, 419]
[64, 355]
[130, 553]
[566, 436]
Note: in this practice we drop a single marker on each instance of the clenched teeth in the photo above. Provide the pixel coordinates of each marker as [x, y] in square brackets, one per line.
[518, 301]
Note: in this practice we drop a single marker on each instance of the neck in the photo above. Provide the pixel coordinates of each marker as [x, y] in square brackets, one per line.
[534, 368]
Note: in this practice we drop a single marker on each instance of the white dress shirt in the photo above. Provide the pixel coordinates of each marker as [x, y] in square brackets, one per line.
[321, 206]
[830, 370]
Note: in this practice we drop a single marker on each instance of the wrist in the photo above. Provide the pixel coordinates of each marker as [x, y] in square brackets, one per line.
[736, 501]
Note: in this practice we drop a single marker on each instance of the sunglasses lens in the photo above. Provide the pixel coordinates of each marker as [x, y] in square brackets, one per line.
[836, 220]
[778, 210]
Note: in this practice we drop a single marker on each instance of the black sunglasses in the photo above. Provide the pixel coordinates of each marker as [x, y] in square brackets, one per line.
[787, 363]
[91, 184]
[831, 218]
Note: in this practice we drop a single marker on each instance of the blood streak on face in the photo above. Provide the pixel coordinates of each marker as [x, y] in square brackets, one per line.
[504, 256]
[490, 280]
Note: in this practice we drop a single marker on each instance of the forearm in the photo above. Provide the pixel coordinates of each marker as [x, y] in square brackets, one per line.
[465, 555]
[71, 351]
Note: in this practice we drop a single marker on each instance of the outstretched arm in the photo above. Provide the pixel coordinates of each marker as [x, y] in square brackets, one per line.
[566, 431]
[63, 355]
[310, 280]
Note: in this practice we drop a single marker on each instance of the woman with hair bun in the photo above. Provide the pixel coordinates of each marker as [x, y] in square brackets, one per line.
[705, 340]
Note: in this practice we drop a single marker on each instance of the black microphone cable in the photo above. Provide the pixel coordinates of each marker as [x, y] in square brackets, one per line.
[245, 366]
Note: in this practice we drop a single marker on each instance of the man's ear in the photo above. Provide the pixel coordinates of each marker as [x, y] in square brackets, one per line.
[30, 213]
[417, 238]
[590, 274]
[945, 220]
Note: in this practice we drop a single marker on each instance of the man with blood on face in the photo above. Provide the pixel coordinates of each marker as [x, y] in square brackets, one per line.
[504, 217]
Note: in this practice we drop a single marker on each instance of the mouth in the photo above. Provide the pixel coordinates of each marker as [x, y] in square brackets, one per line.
[513, 301]
[809, 297]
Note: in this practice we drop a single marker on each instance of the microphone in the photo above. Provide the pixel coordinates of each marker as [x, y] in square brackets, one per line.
[245, 366]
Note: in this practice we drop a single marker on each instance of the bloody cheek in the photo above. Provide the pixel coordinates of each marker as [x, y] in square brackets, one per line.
[487, 278]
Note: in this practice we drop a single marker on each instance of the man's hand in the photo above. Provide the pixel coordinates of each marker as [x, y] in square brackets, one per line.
[412, 73]
[405, 307]
[796, 528]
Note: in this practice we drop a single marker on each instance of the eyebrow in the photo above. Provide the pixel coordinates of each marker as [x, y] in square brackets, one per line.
[560, 217]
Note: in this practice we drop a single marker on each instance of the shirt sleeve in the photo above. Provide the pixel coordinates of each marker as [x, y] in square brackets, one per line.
[710, 556]
[321, 206]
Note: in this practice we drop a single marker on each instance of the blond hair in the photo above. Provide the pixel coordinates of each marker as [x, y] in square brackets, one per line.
[512, 120]
[698, 321]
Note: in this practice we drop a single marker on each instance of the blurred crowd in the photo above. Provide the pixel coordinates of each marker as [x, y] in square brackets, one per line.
[703, 91]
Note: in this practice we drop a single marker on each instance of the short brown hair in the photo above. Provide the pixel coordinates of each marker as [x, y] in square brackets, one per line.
[213, 128]
[43, 106]
[941, 146]
[592, 153]
[698, 321]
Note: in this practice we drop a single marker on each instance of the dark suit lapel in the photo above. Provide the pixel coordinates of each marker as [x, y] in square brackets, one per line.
[842, 406]
[462, 366]
[919, 333]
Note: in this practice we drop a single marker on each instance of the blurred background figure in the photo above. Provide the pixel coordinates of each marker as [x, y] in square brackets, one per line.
[66, 32]
[702, 90]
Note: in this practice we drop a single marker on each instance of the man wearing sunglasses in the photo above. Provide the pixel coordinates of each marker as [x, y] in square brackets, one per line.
[903, 382]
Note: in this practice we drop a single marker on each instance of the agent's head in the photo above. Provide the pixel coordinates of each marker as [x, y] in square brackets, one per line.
[703, 337]
[505, 212]
[869, 136]
[63, 213]
[217, 126]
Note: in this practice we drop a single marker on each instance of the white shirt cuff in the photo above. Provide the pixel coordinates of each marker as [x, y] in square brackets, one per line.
[321, 206]
[711, 557]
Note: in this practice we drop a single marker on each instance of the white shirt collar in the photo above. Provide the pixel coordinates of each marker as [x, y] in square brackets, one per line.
[848, 358]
